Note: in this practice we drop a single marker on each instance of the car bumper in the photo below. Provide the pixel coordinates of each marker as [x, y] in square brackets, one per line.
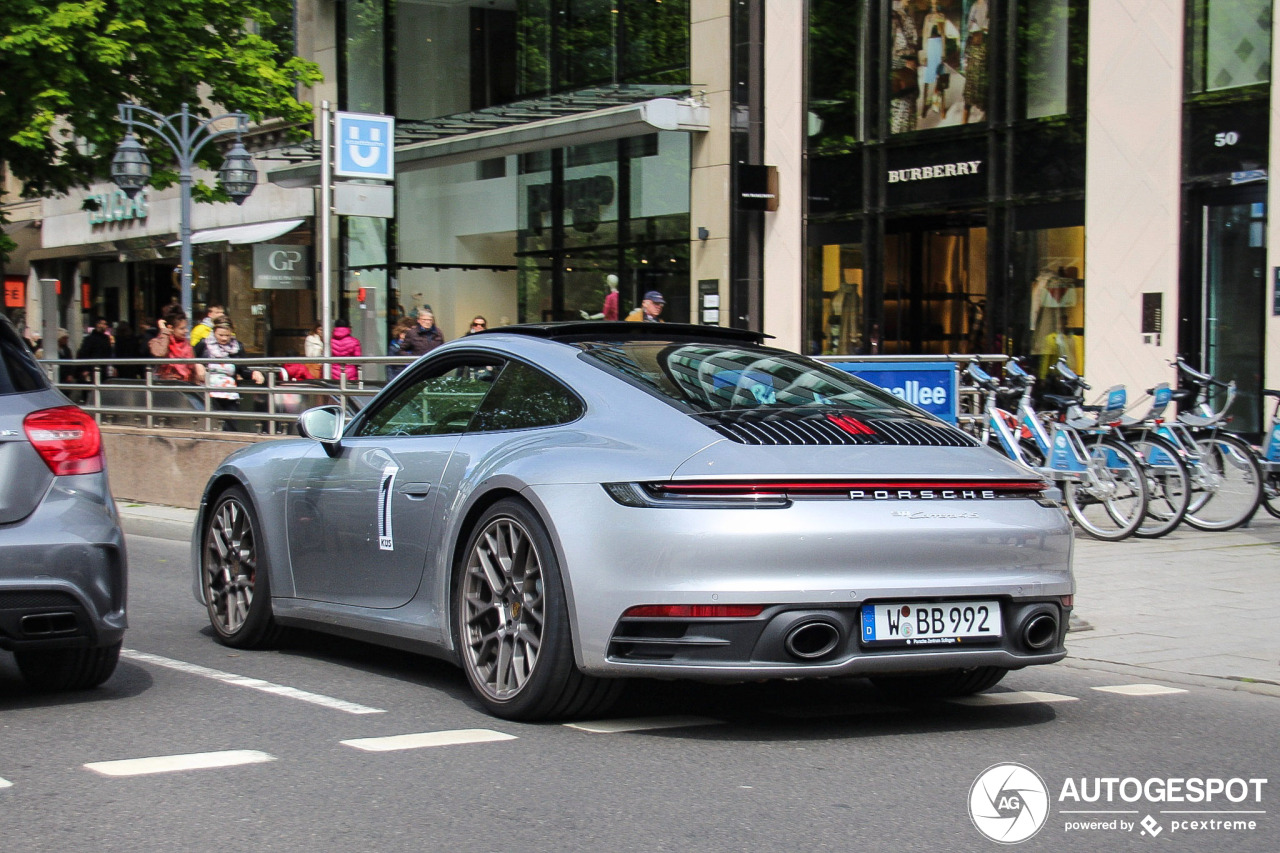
[813, 561]
[63, 572]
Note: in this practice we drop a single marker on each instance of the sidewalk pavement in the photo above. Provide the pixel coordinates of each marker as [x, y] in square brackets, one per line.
[1191, 607]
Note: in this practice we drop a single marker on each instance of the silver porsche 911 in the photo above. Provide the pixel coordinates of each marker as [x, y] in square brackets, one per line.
[562, 506]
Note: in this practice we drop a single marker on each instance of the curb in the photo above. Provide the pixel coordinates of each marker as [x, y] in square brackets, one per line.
[157, 522]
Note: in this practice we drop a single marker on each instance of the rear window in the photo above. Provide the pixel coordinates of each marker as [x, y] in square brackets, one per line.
[19, 371]
[708, 378]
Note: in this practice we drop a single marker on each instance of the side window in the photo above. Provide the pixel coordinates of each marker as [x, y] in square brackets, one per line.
[443, 402]
[525, 397]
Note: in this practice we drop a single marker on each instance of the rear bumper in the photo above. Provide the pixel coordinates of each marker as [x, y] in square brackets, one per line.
[63, 573]
[819, 560]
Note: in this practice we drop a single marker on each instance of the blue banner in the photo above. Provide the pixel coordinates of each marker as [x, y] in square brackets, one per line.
[929, 385]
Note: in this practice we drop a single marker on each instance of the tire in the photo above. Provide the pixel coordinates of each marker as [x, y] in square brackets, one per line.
[1271, 494]
[940, 685]
[1228, 487]
[235, 576]
[512, 623]
[1168, 485]
[1111, 501]
[67, 669]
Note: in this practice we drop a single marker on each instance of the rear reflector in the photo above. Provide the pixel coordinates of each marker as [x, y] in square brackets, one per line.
[695, 611]
[66, 438]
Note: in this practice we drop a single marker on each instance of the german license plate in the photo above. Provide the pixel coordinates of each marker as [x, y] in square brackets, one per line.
[930, 623]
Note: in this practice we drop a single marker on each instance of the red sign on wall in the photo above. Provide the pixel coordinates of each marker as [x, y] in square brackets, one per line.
[86, 298]
[15, 291]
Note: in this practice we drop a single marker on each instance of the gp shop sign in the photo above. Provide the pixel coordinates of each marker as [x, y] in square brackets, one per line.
[279, 267]
[115, 206]
[364, 146]
[929, 385]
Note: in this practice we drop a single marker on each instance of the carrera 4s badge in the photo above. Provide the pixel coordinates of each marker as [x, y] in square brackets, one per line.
[924, 514]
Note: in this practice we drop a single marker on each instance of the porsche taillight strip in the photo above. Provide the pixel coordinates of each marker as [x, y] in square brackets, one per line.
[829, 487]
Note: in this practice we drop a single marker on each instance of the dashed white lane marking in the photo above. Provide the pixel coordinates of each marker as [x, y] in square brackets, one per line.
[5, 783]
[427, 739]
[1140, 689]
[1018, 697]
[642, 724]
[173, 763]
[251, 683]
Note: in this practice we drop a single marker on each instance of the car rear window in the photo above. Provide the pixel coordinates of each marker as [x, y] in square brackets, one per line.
[723, 378]
[19, 371]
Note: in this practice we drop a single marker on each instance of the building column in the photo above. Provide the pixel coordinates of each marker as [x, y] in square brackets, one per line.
[710, 180]
[1271, 335]
[784, 139]
[1133, 183]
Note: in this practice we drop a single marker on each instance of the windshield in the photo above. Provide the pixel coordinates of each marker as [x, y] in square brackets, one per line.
[720, 378]
[19, 371]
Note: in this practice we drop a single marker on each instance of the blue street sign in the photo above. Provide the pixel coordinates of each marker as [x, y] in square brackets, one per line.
[930, 385]
[365, 146]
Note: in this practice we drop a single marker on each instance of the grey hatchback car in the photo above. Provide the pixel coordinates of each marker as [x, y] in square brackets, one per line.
[62, 556]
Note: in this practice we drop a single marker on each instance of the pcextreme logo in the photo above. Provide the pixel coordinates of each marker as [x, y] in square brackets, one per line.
[1010, 803]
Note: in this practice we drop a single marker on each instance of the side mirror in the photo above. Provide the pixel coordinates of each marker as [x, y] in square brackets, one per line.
[323, 424]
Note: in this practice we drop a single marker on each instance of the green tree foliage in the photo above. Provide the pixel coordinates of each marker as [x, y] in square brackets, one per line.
[65, 65]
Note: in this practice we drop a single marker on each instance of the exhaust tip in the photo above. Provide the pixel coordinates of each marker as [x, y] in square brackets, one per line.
[812, 640]
[1040, 631]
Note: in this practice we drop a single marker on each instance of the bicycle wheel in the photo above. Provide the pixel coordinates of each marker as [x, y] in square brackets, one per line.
[1271, 494]
[1110, 501]
[1227, 488]
[1168, 485]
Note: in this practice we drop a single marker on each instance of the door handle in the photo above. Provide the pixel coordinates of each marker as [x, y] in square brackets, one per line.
[415, 491]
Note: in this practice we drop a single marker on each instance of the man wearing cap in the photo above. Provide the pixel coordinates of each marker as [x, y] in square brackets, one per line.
[650, 308]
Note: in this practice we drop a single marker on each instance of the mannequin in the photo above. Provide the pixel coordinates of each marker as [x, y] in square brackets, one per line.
[975, 58]
[933, 32]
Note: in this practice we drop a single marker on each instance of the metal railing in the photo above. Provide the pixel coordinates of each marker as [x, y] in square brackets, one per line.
[271, 408]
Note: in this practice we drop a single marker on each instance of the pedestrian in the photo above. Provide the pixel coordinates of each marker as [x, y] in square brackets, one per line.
[126, 345]
[396, 345]
[313, 347]
[649, 310]
[424, 337]
[344, 345]
[97, 347]
[171, 342]
[479, 324]
[66, 372]
[221, 375]
[213, 314]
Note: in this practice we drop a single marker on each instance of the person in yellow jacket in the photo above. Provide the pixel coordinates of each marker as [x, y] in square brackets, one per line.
[205, 326]
[650, 309]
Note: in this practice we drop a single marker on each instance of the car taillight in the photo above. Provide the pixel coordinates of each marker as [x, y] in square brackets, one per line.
[66, 438]
[694, 611]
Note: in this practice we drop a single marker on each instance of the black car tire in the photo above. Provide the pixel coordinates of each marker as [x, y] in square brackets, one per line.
[940, 685]
[235, 576]
[498, 631]
[67, 669]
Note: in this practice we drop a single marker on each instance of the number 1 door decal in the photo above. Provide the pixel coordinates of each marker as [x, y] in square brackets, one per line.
[386, 542]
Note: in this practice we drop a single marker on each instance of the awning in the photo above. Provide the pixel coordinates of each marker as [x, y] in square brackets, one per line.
[257, 232]
[473, 140]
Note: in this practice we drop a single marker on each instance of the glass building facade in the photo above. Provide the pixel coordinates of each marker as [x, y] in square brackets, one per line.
[945, 147]
[544, 235]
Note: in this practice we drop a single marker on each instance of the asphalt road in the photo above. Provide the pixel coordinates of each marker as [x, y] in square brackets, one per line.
[753, 767]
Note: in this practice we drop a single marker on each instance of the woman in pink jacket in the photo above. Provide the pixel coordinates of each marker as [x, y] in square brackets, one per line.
[343, 345]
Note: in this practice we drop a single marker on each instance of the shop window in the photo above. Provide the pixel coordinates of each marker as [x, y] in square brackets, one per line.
[837, 299]
[837, 56]
[1046, 304]
[1229, 44]
[938, 63]
[1044, 49]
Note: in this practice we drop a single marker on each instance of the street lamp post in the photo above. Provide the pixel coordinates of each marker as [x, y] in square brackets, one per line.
[186, 134]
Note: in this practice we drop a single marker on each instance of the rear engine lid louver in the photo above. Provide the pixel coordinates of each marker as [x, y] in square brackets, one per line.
[807, 427]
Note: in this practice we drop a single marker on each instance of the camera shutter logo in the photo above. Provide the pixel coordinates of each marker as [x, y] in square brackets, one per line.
[1008, 803]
